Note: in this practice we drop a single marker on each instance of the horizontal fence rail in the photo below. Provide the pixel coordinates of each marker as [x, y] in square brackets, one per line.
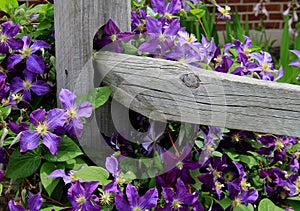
[174, 91]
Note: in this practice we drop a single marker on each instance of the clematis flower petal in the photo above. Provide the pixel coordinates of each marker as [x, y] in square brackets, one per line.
[67, 98]
[85, 109]
[12, 60]
[38, 44]
[15, 44]
[52, 142]
[29, 140]
[37, 116]
[35, 64]
[35, 202]
[121, 204]
[14, 207]
[56, 118]
[132, 195]
[40, 87]
[111, 28]
[149, 200]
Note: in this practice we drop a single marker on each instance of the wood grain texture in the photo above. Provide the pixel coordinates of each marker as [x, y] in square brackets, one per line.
[168, 90]
[76, 22]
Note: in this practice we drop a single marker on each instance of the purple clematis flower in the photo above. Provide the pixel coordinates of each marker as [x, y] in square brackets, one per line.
[34, 203]
[82, 198]
[4, 88]
[167, 10]
[138, 19]
[9, 30]
[224, 12]
[66, 175]
[265, 67]
[34, 63]
[243, 47]
[111, 165]
[43, 123]
[39, 87]
[75, 113]
[180, 199]
[183, 164]
[113, 37]
[161, 37]
[296, 63]
[136, 203]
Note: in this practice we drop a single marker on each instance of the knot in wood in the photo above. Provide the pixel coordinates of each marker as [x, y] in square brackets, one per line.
[191, 80]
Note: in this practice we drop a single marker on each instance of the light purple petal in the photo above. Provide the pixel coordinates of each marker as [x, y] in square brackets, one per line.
[149, 200]
[56, 118]
[85, 110]
[149, 46]
[35, 63]
[67, 98]
[13, 207]
[52, 142]
[132, 195]
[37, 116]
[158, 6]
[75, 127]
[111, 164]
[249, 196]
[173, 28]
[26, 40]
[173, 7]
[153, 26]
[35, 202]
[38, 44]
[12, 60]
[90, 187]
[29, 140]
[121, 204]
[40, 87]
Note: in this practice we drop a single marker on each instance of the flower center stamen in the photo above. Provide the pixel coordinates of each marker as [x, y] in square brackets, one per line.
[42, 128]
[177, 204]
[26, 52]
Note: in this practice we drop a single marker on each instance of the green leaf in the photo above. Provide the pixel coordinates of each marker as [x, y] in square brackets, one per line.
[68, 149]
[226, 202]
[243, 207]
[294, 202]
[93, 173]
[102, 95]
[248, 160]
[49, 183]
[22, 165]
[1, 189]
[4, 112]
[268, 205]
[296, 198]
[199, 13]
[128, 176]
[217, 154]
[56, 208]
[75, 163]
[8, 5]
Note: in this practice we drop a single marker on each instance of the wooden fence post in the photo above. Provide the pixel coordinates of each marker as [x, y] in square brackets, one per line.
[76, 22]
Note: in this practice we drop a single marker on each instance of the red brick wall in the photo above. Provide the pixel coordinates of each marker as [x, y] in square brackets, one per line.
[275, 9]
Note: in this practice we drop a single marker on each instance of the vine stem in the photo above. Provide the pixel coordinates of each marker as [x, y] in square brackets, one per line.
[43, 195]
[173, 143]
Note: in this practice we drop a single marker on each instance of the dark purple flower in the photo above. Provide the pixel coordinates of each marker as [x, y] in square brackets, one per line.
[34, 203]
[225, 64]
[39, 87]
[296, 63]
[180, 199]
[4, 88]
[43, 123]
[82, 198]
[34, 63]
[138, 19]
[113, 37]
[147, 201]
[243, 47]
[183, 164]
[17, 128]
[75, 113]
[9, 30]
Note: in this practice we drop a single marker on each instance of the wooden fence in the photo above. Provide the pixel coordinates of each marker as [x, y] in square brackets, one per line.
[164, 90]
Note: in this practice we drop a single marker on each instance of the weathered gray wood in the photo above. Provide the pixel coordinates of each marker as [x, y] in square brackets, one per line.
[76, 22]
[160, 89]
